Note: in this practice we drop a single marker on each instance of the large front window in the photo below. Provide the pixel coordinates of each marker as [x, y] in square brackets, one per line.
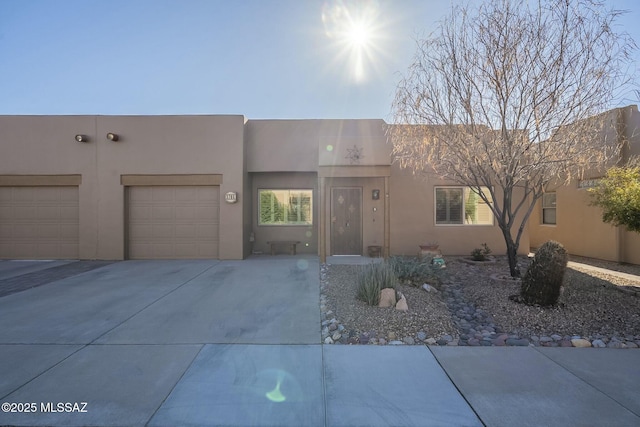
[462, 205]
[285, 207]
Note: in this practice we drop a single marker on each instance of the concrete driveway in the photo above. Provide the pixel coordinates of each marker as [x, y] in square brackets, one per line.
[167, 343]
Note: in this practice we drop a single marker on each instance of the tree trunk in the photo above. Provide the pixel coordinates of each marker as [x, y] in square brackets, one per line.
[512, 253]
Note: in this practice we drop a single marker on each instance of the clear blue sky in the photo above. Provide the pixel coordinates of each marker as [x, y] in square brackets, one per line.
[260, 58]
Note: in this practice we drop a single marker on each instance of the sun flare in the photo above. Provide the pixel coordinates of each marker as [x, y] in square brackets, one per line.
[358, 35]
[355, 32]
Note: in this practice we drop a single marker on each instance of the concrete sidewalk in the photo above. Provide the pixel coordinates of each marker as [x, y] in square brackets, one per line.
[168, 343]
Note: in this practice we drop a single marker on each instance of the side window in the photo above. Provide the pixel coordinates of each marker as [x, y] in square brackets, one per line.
[549, 208]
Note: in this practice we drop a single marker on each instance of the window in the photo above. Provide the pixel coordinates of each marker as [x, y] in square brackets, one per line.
[462, 205]
[549, 208]
[285, 207]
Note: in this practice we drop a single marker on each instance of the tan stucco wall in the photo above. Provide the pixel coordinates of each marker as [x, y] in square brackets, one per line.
[306, 235]
[579, 227]
[413, 221]
[303, 145]
[148, 145]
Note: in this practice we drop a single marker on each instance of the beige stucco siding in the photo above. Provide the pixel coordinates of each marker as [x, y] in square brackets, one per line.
[578, 227]
[412, 201]
[149, 145]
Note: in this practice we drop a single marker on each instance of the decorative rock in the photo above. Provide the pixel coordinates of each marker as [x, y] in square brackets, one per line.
[598, 344]
[447, 338]
[614, 344]
[333, 327]
[382, 341]
[555, 337]
[387, 298]
[421, 336]
[328, 340]
[522, 342]
[402, 304]
[335, 337]
[429, 288]
[580, 342]
[631, 344]
[409, 341]
[430, 341]
[364, 338]
[391, 336]
[566, 343]
[500, 339]
[545, 339]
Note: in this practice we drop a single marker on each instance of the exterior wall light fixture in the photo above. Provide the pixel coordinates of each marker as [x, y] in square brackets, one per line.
[113, 136]
[82, 138]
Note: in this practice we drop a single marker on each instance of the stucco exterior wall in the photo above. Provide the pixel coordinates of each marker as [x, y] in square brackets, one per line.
[148, 145]
[413, 220]
[579, 227]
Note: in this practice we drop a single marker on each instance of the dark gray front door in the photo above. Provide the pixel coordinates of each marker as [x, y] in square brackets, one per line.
[346, 221]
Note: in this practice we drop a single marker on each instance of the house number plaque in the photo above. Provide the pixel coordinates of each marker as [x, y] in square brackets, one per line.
[231, 197]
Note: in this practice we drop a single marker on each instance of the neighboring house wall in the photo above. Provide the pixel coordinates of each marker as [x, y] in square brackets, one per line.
[166, 146]
[579, 226]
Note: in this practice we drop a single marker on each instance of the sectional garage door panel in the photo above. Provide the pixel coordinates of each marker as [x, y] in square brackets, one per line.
[173, 222]
[39, 222]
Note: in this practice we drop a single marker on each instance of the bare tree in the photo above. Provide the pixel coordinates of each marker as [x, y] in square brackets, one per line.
[509, 96]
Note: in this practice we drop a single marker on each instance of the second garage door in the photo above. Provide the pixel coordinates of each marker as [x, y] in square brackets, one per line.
[172, 222]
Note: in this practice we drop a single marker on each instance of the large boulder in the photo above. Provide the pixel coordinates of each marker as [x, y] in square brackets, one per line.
[542, 282]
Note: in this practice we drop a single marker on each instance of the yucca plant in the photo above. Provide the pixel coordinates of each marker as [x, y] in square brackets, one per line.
[371, 279]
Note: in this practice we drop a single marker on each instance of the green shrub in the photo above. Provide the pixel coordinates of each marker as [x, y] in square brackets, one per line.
[481, 254]
[415, 271]
[371, 279]
[542, 281]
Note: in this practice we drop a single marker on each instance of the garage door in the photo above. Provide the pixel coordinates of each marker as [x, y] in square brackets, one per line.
[39, 222]
[173, 222]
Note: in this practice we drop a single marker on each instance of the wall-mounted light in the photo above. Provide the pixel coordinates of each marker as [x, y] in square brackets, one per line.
[82, 138]
[113, 136]
[375, 194]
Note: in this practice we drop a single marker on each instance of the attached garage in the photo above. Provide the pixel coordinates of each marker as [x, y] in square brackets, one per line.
[39, 222]
[172, 222]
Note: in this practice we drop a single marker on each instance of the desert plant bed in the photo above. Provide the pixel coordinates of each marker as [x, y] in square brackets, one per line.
[469, 308]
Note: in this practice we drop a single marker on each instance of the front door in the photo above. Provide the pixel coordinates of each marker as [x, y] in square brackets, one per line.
[346, 221]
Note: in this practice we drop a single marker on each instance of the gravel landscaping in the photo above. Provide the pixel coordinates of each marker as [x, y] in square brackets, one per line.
[470, 308]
